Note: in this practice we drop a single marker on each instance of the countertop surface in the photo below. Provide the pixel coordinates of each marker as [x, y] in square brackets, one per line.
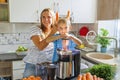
[114, 61]
[14, 56]
[11, 57]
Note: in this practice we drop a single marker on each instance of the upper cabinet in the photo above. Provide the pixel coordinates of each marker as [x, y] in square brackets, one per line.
[108, 9]
[81, 11]
[24, 11]
[28, 11]
[62, 6]
[4, 11]
[84, 11]
[45, 4]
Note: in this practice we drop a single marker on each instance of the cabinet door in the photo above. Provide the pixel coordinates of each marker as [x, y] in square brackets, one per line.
[63, 6]
[18, 65]
[46, 4]
[108, 9]
[4, 12]
[24, 11]
[18, 74]
[18, 69]
[84, 11]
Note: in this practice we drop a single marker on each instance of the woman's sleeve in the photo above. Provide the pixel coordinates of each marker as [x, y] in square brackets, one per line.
[35, 31]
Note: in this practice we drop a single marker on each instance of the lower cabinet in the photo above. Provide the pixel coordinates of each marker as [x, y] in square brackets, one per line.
[18, 69]
[5, 70]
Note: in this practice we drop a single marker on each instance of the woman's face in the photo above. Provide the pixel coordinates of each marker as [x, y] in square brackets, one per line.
[46, 19]
[63, 28]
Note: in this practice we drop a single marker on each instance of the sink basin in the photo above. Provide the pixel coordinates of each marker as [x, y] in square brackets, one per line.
[97, 55]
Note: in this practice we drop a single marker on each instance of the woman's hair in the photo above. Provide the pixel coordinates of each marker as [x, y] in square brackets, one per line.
[53, 18]
[64, 21]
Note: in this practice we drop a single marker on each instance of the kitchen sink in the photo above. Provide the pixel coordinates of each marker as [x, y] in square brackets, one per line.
[98, 55]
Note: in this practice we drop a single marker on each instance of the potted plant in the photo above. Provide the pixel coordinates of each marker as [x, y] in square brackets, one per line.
[104, 42]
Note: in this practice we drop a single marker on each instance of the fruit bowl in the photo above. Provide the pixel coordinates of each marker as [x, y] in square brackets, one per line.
[21, 53]
[21, 50]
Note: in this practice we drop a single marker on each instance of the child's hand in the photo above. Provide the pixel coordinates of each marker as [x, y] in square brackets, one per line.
[68, 36]
[64, 36]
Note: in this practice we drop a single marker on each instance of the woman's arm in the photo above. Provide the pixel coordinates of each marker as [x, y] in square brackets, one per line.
[53, 38]
[40, 42]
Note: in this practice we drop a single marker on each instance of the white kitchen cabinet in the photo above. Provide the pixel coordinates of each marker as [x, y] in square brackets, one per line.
[18, 69]
[62, 6]
[46, 4]
[84, 11]
[26, 11]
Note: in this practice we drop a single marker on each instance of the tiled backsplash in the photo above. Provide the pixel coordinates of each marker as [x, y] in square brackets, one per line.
[13, 35]
[9, 42]
[14, 38]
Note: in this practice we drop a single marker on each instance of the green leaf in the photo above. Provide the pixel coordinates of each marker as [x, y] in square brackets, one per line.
[103, 70]
[103, 41]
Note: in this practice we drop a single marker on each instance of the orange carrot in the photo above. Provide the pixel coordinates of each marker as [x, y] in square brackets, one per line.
[94, 77]
[38, 78]
[31, 78]
[84, 77]
[57, 16]
[79, 77]
[24, 79]
[68, 15]
[88, 76]
[98, 78]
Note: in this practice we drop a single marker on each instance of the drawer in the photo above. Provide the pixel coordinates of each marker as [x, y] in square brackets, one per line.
[18, 74]
[18, 65]
[5, 72]
[5, 64]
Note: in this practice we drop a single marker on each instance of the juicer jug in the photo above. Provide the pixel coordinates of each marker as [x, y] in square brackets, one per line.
[68, 64]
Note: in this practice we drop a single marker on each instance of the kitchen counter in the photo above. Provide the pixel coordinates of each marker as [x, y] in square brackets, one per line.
[116, 60]
[113, 61]
[11, 57]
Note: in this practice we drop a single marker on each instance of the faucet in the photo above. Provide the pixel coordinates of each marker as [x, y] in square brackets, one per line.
[116, 48]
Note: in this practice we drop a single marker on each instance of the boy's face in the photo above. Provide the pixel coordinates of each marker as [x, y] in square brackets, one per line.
[63, 28]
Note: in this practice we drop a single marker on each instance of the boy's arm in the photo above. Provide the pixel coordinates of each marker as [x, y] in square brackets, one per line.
[75, 39]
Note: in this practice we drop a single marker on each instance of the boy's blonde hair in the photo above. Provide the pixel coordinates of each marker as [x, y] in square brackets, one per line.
[64, 21]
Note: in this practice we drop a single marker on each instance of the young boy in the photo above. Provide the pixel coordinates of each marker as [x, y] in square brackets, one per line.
[63, 40]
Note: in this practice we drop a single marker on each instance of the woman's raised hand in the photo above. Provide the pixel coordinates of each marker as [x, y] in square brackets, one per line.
[57, 17]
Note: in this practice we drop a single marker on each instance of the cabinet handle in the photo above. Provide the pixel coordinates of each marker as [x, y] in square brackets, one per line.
[37, 15]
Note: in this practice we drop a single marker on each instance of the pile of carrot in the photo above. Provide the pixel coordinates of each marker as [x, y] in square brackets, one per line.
[88, 76]
[32, 78]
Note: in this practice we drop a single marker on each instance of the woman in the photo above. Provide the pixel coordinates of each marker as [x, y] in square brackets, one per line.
[41, 51]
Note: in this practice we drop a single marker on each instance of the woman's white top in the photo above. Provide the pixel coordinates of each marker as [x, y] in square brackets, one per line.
[35, 55]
